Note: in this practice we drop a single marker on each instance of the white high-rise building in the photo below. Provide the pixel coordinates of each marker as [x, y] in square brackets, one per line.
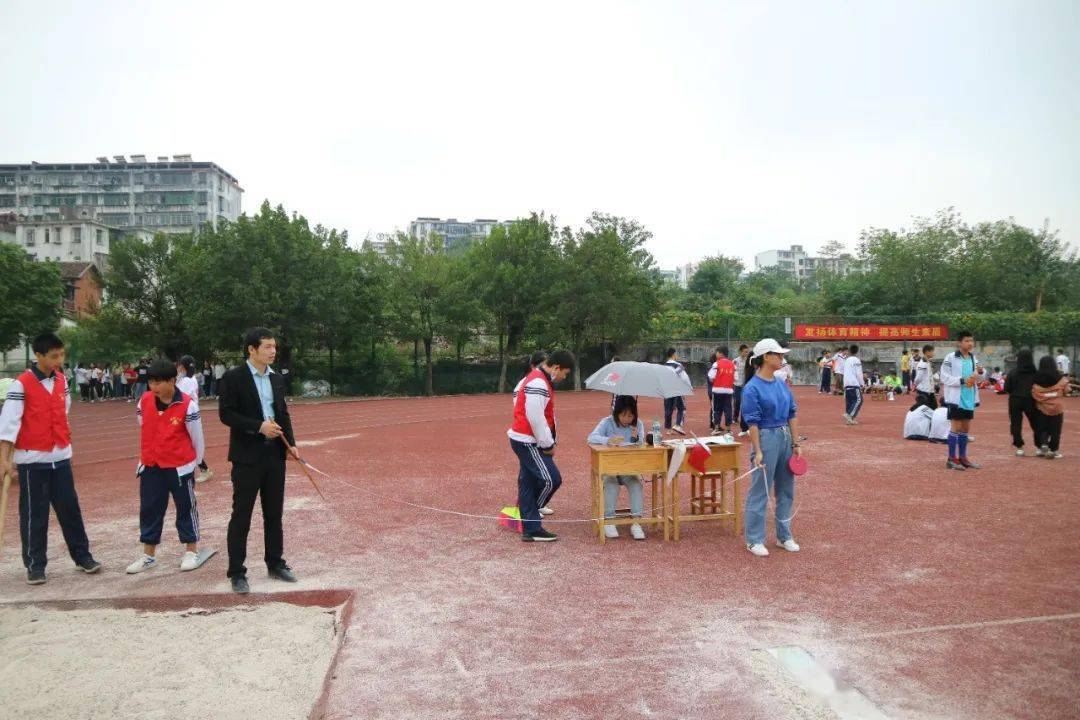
[176, 195]
[456, 234]
[801, 265]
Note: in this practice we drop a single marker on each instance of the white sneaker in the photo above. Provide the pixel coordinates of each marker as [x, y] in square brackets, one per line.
[144, 563]
[1040, 453]
[190, 561]
[1058, 455]
[678, 429]
[543, 511]
[204, 475]
[636, 532]
[611, 532]
[847, 418]
[789, 545]
[758, 549]
[1019, 452]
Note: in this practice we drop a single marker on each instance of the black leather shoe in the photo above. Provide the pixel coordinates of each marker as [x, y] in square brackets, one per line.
[240, 585]
[282, 572]
[35, 577]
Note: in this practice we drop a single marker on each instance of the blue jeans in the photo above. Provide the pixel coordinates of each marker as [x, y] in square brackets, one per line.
[776, 479]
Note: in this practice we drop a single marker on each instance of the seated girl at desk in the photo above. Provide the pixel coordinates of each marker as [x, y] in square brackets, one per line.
[622, 427]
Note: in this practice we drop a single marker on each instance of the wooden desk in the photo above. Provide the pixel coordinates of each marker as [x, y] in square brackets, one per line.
[720, 468]
[633, 460]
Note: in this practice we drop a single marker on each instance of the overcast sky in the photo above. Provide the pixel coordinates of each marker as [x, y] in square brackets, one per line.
[724, 127]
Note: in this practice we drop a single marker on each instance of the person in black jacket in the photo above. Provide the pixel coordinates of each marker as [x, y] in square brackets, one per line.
[252, 404]
[1021, 403]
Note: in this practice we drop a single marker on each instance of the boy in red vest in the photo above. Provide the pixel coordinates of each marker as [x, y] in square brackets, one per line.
[532, 438]
[34, 424]
[171, 448]
[722, 379]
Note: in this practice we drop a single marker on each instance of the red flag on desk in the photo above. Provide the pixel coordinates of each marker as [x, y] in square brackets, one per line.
[699, 455]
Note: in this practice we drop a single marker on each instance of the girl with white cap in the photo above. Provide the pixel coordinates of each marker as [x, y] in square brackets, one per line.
[769, 409]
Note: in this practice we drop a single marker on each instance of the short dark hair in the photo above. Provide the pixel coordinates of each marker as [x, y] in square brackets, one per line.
[562, 359]
[623, 403]
[854, 349]
[927, 348]
[963, 334]
[255, 336]
[537, 358]
[1061, 350]
[670, 352]
[722, 350]
[45, 342]
[744, 346]
[905, 352]
[161, 369]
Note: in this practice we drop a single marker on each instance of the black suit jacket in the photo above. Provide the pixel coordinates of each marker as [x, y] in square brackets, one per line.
[240, 409]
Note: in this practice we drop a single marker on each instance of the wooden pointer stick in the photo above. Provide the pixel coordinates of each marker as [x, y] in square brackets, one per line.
[3, 508]
[288, 451]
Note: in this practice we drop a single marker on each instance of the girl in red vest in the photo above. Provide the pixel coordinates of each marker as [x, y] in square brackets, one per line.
[34, 424]
[171, 447]
[532, 438]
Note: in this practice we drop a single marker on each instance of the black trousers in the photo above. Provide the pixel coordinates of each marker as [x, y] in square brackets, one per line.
[738, 408]
[1019, 408]
[924, 398]
[1049, 430]
[41, 485]
[266, 479]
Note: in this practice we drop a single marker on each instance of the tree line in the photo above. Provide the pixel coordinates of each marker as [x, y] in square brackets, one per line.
[531, 284]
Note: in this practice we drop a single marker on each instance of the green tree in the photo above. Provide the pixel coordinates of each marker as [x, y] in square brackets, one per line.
[145, 282]
[513, 272]
[30, 296]
[715, 277]
[422, 281]
[610, 285]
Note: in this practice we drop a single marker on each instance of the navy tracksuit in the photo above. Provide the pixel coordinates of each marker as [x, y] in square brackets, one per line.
[155, 486]
[537, 482]
[42, 485]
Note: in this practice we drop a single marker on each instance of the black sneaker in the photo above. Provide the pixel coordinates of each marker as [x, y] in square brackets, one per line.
[35, 577]
[282, 572]
[539, 536]
[89, 566]
[240, 584]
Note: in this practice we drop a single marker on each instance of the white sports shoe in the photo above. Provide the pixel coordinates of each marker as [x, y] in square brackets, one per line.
[1058, 455]
[611, 532]
[1019, 452]
[205, 475]
[636, 532]
[1040, 453]
[546, 511]
[143, 563]
[789, 545]
[758, 549]
[190, 561]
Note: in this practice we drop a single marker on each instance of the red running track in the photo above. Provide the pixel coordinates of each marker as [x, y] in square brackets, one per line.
[937, 594]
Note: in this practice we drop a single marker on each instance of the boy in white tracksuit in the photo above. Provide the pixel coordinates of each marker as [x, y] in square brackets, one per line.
[960, 372]
[853, 386]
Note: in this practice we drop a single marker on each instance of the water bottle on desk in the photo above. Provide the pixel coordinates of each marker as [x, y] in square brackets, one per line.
[657, 434]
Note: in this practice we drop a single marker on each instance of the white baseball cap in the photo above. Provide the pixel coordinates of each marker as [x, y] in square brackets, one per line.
[768, 345]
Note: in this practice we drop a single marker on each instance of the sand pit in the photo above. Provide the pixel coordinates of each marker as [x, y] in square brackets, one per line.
[266, 661]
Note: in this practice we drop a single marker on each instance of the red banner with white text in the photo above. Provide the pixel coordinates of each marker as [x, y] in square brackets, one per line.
[871, 332]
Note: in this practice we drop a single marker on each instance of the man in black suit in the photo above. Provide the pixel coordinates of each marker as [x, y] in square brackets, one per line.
[252, 405]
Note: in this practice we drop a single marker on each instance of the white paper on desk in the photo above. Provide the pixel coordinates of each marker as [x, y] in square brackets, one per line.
[677, 455]
[690, 442]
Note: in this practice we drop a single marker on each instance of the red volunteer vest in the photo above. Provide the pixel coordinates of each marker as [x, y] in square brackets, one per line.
[165, 439]
[725, 374]
[44, 421]
[521, 422]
